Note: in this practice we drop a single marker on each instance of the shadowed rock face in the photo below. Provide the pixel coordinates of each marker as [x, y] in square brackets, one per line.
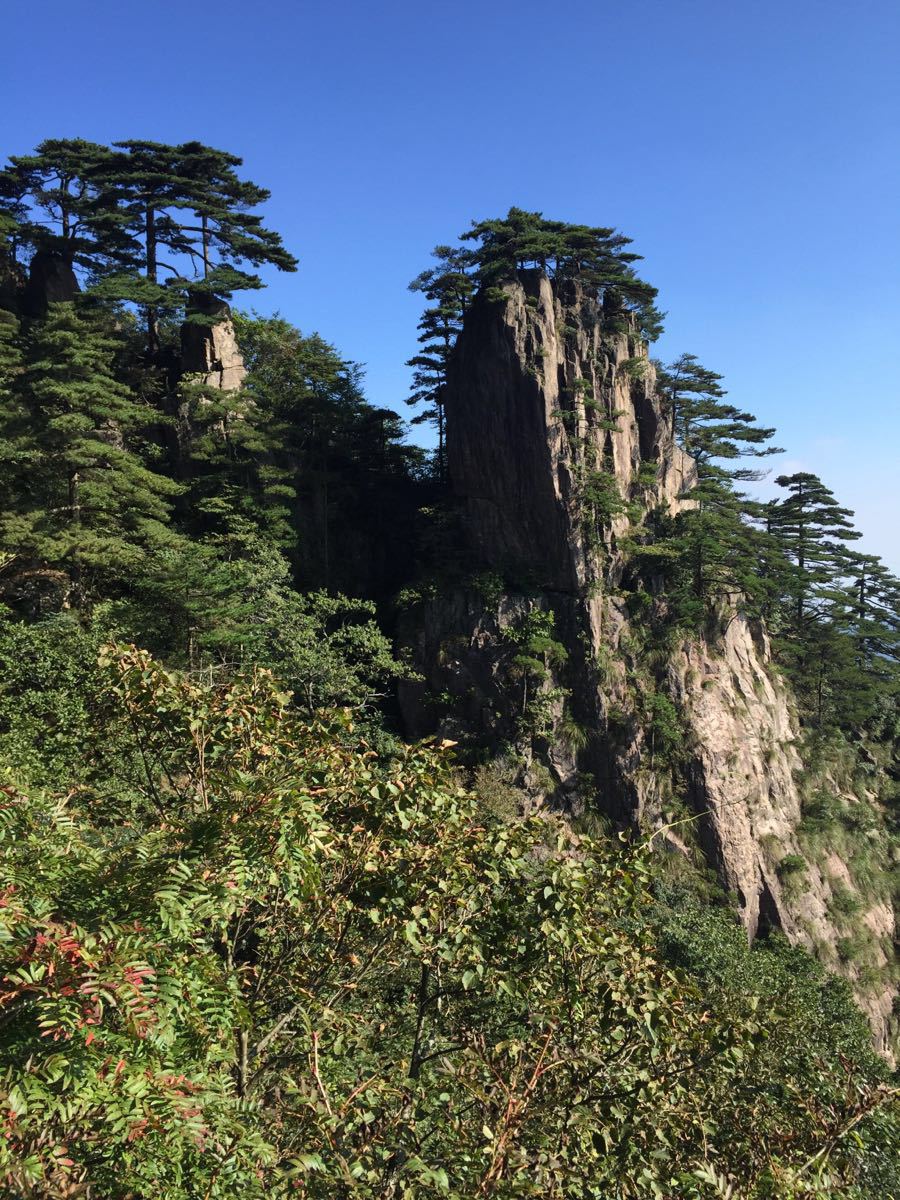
[541, 394]
[51, 280]
[535, 386]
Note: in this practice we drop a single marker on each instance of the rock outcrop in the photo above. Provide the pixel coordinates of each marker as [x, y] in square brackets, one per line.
[51, 280]
[209, 346]
[541, 397]
[558, 446]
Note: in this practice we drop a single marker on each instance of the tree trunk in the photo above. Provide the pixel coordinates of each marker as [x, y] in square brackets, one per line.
[152, 314]
[204, 221]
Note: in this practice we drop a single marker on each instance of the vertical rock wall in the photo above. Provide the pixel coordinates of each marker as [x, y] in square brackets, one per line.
[540, 396]
[543, 397]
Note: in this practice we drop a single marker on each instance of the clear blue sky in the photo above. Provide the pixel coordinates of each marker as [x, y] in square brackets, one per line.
[750, 149]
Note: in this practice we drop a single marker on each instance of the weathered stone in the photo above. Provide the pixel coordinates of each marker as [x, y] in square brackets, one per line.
[209, 347]
[51, 280]
[534, 388]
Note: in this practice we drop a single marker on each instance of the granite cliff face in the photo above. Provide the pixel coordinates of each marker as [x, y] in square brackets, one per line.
[541, 396]
[209, 350]
[558, 446]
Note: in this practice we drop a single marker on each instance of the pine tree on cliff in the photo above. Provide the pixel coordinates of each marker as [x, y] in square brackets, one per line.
[873, 595]
[856, 641]
[11, 413]
[54, 195]
[163, 227]
[837, 636]
[187, 202]
[717, 553]
[10, 351]
[709, 553]
[710, 430]
[84, 499]
[335, 467]
[449, 286]
[597, 256]
[14, 213]
[813, 530]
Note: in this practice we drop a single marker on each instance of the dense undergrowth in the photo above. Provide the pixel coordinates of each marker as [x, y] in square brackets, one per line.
[244, 952]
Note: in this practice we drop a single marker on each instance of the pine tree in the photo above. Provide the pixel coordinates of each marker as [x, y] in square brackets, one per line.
[329, 478]
[86, 500]
[813, 531]
[449, 286]
[11, 413]
[716, 552]
[188, 202]
[839, 634]
[596, 256]
[874, 610]
[127, 214]
[707, 428]
[10, 351]
[855, 640]
[708, 553]
[54, 196]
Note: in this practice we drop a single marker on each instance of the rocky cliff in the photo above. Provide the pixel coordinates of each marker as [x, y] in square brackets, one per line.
[558, 448]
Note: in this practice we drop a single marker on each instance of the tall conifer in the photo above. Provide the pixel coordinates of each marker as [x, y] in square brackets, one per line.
[813, 530]
[710, 430]
[449, 286]
[87, 501]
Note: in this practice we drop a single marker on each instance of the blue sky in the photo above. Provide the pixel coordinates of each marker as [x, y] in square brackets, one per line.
[750, 149]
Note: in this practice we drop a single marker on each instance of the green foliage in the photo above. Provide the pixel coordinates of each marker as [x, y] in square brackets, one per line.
[10, 352]
[536, 654]
[806, 523]
[449, 287]
[595, 256]
[83, 499]
[55, 196]
[791, 864]
[327, 649]
[48, 676]
[857, 828]
[600, 498]
[252, 945]
[705, 556]
[647, 473]
[12, 413]
[844, 901]
[710, 430]
[838, 615]
[230, 602]
[115, 210]
[276, 965]
[710, 552]
[666, 730]
[817, 1043]
[335, 482]
[835, 613]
